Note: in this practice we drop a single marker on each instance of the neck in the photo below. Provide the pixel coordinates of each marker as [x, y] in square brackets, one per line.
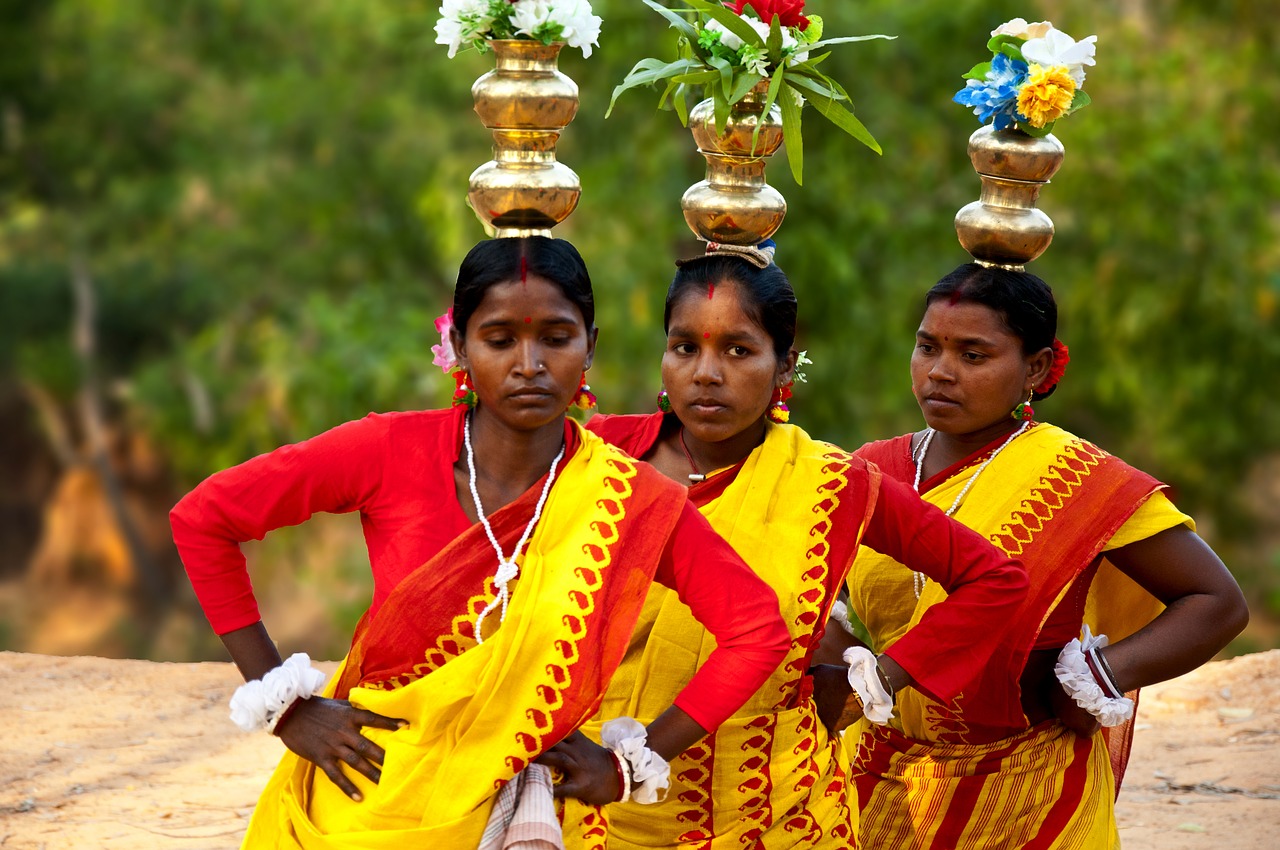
[709, 457]
[947, 449]
[514, 459]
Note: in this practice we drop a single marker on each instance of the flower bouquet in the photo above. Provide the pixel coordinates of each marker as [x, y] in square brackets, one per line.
[1035, 77]
[474, 23]
[725, 51]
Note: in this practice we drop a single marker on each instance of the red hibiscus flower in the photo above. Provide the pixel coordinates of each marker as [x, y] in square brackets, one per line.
[1061, 357]
[790, 12]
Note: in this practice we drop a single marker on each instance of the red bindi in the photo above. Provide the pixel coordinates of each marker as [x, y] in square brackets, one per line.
[528, 320]
[706, 336]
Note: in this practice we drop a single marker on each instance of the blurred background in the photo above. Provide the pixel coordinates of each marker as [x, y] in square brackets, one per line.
[226, 225]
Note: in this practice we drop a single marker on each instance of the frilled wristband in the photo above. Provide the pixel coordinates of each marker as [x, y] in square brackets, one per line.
[263, 703]
[648, 774]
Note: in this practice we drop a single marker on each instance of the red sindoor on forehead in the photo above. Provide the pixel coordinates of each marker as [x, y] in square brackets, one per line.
[711, 291]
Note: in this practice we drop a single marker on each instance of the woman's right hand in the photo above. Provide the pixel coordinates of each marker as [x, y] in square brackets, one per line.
[327, 733]
[1070, 714]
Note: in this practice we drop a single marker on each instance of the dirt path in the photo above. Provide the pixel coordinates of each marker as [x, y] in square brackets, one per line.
[134, 754]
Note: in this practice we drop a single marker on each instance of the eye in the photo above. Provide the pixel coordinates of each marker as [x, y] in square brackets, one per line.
[924, 348]
[973, 357]
[683, 348]
[740, 351]
[559, 340]
[498, 341]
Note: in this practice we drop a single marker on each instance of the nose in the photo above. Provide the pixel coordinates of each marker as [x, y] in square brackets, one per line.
[942, 369]
[529, 359]
[706, 369]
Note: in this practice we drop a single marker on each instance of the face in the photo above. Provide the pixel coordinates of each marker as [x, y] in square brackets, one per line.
[719, 368]
[968, 370]
[526, 347]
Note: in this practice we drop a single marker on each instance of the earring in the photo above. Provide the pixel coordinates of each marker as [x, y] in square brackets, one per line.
[778, 410]
[664, 402]
[1023, 412]
[463, 395]
[584, 398]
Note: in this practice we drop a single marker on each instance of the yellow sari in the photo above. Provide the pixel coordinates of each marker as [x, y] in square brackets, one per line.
[479, 713]
[975, 773]
[769, 777]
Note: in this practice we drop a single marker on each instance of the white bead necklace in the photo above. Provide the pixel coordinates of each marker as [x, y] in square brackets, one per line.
[507, 568]
[918, 580]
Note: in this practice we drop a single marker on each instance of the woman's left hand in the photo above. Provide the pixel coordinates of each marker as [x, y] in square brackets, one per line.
[589, 770]
[1070, 714]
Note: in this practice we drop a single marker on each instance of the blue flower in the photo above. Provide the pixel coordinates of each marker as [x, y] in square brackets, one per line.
[996, 97]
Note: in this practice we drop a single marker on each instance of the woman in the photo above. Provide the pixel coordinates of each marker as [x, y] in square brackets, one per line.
[487, 642]
[999, 765]
[795, 509]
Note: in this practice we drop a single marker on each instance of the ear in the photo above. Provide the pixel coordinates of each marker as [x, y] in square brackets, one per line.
[787, 368]
[459, 348]
[592, 336]
[1038, 366]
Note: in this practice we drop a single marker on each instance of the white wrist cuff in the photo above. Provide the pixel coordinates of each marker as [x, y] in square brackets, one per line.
[1080, 684]
[648, 773]
[840, 613]
[877, 702]
[259, 703]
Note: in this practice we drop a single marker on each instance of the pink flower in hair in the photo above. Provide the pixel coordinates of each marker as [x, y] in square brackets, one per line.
[445, 357]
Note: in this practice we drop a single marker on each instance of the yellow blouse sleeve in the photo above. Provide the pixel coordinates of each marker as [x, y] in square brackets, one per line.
[1157, 514]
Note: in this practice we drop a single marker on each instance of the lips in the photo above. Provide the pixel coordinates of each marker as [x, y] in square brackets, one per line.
[707, 406]
[530, 394]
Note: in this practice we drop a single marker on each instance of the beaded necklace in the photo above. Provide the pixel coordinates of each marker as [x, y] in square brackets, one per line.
[918, 579]
[507, 567]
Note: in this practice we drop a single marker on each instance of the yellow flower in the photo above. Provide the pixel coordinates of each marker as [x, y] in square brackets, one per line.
[1046, 95]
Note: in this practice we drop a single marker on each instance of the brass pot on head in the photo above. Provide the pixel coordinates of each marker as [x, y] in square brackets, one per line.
[735, 205]
[1004, 228]
[526, 101]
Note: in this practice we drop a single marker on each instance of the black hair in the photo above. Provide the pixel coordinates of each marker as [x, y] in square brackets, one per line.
[770, 300]
[1023, 301]
[508, 259]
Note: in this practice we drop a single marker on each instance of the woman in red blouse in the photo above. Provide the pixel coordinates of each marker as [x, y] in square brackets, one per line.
[510, 553]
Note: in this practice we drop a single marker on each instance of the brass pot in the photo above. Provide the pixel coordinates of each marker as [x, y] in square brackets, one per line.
[526, 101]
[735, 205]
[1004, 228]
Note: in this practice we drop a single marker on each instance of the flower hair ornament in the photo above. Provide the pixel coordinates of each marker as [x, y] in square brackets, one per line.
[446, 358]
[1061, 357]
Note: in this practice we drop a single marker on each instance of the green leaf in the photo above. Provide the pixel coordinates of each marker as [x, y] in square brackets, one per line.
[819, 86]
[1038, 132]
[978, 72]
[685, 27]
[774, 42]
[791, 132]
[849, 39]
[1009, 45]
[729, 20]
[647, 72]
[1080, 101]
[722, 109]
[697, 78]
[726, 73]
[744, 84]
[844, 118]
[680, 100]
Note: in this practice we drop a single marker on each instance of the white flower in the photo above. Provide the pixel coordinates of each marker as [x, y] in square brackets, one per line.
[1058, 48]
[754, 59]
[731, 41]
[528, 15]
[727, 38]
[462, 22]
[581, 27]
[1019, 28]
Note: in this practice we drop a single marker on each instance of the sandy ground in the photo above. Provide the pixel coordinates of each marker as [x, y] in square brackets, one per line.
[134, 754]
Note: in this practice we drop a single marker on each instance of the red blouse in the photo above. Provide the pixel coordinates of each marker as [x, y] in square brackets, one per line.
[984, 585]
[396, 469]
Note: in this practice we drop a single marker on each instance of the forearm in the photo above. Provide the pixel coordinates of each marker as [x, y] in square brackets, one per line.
[252, 650]
[673, 732]
[1191, 631]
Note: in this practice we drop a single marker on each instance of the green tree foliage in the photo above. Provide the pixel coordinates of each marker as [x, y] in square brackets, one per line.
[270, 198]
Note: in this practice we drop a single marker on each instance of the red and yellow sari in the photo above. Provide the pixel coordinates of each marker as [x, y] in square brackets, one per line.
[975, 772]
[769, 777]
[481, 712]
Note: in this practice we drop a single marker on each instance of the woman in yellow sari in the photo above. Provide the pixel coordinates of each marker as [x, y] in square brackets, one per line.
[1013, 760]
[510, 552]
[796, 509]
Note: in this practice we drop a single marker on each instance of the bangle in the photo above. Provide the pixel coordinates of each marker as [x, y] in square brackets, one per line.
[1087, 685]
[1096, 654]
[274, 723]
[868, 683]
[648, 774]
[263, 703]
[624, 777]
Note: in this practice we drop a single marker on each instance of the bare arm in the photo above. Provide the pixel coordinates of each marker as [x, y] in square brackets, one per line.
[1205, 608]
